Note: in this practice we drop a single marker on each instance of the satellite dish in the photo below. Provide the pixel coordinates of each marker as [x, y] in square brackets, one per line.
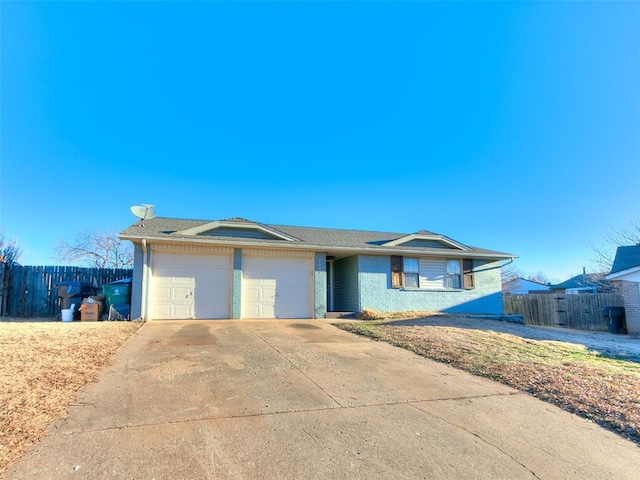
[143, 212]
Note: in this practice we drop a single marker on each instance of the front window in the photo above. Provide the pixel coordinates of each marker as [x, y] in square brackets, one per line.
[453, 277]
[411, 272]
[432, 273]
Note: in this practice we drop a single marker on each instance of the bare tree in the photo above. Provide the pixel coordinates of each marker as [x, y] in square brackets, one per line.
[538, 277]
[509, 275]
[9, 250]
[96, 248]
[602, 255]
[9, 254]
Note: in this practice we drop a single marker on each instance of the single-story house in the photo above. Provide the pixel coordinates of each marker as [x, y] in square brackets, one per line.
[583, 283]
[237, 268]
[625, 273]
[522, 286]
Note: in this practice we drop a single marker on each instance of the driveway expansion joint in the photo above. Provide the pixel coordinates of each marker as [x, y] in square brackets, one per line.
[411, 402]
[298, 369]
[480, 437]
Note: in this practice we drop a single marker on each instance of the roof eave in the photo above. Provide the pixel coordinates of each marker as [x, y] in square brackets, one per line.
[436, 252]
[622, 273]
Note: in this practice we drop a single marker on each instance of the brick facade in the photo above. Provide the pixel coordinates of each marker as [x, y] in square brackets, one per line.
[136, 282]
[236, 286]
[320, 285]
[631, 295]
[364, 281]
[374, 280]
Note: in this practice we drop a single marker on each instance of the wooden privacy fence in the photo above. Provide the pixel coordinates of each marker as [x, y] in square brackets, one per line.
[30, 291]
[581, 312]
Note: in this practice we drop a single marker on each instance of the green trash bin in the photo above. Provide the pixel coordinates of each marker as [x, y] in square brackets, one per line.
[117, 293]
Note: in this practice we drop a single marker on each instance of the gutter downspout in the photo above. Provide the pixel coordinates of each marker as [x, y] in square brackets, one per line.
[145, 277]
[493, 268]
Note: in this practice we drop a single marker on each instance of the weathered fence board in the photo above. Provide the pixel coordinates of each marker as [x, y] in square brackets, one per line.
[30, 291]
[580, 312]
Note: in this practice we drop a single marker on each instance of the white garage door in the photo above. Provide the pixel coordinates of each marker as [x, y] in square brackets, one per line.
[190, 286]
[276, 287]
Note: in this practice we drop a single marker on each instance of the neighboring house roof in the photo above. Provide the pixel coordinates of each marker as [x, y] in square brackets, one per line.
[240, 231]
[533, 283]
[627, 262]
[582, 281]
[523, 286]
[626, 257]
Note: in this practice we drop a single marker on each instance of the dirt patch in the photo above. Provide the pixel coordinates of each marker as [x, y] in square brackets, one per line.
[43, 365]
[600, 384]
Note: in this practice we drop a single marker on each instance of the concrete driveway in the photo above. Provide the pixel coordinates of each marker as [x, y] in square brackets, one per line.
[301, 400]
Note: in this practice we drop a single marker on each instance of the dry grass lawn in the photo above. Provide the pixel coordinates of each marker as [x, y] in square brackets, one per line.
[42, 367]
[603, 390]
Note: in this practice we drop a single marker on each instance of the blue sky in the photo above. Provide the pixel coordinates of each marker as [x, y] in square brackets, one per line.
[513, 126]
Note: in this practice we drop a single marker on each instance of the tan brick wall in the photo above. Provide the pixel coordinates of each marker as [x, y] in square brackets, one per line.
[631, 294]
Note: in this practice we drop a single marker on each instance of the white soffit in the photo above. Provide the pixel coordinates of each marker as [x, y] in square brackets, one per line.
[623, 273]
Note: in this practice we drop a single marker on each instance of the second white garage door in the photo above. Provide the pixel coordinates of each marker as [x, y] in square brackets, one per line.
[190, 286]
[274, 287]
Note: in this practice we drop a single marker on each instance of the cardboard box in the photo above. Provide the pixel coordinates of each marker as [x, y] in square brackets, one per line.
[90, 310]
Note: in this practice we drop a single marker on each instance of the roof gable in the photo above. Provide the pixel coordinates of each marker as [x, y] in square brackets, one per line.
[425, 240]
[237, 228]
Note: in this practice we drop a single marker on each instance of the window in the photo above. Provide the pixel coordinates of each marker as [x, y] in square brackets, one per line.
[432, 273]
[405, 272]
[411, 272]
[452, 278]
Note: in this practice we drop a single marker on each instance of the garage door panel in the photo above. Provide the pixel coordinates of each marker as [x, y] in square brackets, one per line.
[162, 311]
[190, 286]
[276, 287]
[295, 294]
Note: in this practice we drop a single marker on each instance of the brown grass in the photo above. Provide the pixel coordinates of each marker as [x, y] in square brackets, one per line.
[604, 390]
[42, 367]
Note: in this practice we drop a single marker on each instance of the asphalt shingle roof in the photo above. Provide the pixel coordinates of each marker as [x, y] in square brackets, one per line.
[166, 228]
[626, 257]
[581, 281]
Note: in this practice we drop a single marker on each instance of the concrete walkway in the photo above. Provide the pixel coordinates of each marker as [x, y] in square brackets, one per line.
[305, 400]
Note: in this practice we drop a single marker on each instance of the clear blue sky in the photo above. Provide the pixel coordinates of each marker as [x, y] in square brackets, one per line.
[504, 125]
